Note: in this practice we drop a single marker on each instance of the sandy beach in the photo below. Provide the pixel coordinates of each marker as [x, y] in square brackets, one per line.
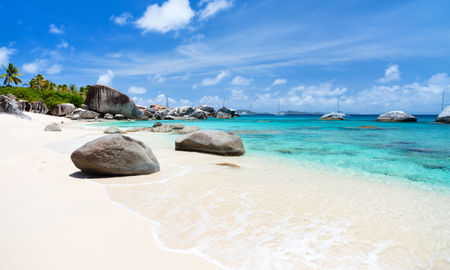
[52, 220]
[263, 215]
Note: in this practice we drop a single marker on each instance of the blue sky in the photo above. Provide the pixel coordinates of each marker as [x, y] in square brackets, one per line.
[378, 55]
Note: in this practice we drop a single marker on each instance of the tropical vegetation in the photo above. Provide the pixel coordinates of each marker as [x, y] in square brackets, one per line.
[39, 88]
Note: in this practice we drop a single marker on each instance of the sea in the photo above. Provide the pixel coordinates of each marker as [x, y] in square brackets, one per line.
[310, 194]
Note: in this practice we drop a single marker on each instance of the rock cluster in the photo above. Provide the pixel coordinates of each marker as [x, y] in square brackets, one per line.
[10, 106]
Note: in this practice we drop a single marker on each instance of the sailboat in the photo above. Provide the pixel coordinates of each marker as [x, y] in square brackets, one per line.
[278, 111]
[338, 111]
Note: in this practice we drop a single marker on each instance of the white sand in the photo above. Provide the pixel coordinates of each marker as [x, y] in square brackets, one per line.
[50, 220]
[264, 215]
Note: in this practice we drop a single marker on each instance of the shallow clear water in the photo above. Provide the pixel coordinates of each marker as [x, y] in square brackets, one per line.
[418, 152]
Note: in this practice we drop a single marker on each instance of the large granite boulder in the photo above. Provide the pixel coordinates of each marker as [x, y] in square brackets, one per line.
[396, 116]
[9, 106]
[62, 109]
[115, 155]
[104, 99]
[223, 115]
[332, 116]
[39, 107]
[444, 116]
[161, 114]
[119, 116]
[211, 141]
[52, 127]
[198, 114]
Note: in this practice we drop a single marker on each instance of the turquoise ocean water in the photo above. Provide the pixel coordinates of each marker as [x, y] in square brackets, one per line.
[407, 152]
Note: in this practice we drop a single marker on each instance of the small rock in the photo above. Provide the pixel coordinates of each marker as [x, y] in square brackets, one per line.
[228, 164]
[396, 116]
[178, 126]
[332, 116]
[157, 124]
[119, 116]
[112, 130]
[89, 115]
[108, 116]
[52, 127]
[163, 128]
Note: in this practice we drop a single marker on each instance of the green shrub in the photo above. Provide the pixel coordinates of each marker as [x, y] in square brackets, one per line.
[49, 97]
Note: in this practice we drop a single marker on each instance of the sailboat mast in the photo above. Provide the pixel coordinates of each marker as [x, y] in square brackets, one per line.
[278, 106]
[442, 103]
[339, 99]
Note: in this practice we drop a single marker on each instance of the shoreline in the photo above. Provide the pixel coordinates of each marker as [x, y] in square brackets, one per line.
[198, 166]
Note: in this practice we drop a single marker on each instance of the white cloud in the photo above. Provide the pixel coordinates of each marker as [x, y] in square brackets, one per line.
[171, 15]
[54, 69]
[213, 7]
[213, 81]
[391, 73]
[238, 80]
[137, 90]
[114, 55]
[106, 78]
[35, 66]
[210, 100]
[122, 19]
[5, 53]
[63, 44]
[55, 30]
[279, 82]
[142, 101]
[158, 78]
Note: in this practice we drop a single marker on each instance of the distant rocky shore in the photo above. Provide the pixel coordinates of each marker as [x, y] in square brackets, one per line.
[105, 103]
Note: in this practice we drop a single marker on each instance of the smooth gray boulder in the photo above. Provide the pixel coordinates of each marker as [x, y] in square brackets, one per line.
[9, 106]
[115, 155]
[39, 107]
[396, 116]
[62, 109]
[332, 116]
[104, 99]
[162, 128]
[112, 130]
[444, 116]
[211, 141]
[52, 127]
[89, 115]
[223, 115]
[188, 129]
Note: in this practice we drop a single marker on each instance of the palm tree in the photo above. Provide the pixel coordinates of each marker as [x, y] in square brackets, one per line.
[12, 75]
[39, 82]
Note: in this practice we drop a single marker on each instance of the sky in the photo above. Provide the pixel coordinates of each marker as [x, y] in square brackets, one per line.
[376, 55]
